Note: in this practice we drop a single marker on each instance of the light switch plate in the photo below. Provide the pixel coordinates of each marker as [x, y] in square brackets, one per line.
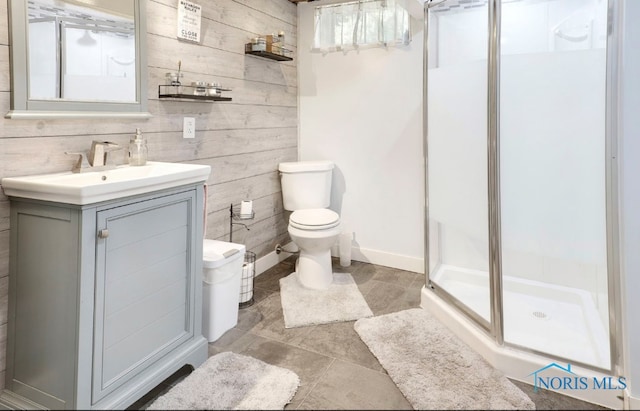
[189, 127]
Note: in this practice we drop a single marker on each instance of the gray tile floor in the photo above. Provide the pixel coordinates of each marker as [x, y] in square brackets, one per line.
[336, 369]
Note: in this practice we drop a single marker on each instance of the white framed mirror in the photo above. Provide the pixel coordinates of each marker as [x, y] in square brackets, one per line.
[78, 58]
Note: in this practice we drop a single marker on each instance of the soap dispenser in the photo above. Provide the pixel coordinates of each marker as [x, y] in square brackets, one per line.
[137, 149]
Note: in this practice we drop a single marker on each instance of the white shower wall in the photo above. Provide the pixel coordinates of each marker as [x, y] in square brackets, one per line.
[553, 169]
[363, 110]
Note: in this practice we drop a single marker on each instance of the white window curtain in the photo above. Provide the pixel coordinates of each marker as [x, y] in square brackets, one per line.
[363, 23]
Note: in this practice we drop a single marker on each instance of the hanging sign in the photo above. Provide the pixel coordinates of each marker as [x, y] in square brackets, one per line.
[189, 16]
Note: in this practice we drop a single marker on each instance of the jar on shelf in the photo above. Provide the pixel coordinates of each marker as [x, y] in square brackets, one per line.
[258, 44]
[173, 79]
[199, 88]
[213, 89]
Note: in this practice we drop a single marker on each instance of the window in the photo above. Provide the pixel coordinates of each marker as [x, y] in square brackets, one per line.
[361, 23]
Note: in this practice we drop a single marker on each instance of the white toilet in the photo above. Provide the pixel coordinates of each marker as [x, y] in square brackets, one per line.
[306, 190]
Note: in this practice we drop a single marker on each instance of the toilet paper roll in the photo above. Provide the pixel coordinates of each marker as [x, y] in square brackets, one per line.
[246, 207]
[246, 288]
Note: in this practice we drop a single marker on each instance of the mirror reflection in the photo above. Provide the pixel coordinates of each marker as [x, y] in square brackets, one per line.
[82, 50]
[78, 59]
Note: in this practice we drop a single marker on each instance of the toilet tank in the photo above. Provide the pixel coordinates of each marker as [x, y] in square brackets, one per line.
[306, 184]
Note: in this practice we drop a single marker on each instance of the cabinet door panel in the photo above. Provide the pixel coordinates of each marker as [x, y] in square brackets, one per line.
[121, 358]
[145, 312]
[147, 281]
[140, 221]
[143, 282]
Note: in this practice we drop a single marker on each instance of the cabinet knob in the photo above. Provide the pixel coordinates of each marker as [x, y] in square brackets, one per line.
[104, 233]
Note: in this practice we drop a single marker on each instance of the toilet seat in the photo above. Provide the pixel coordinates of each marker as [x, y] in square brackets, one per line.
[314, 219]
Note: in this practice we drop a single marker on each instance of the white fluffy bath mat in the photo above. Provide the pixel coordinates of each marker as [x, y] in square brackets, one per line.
[229, 381]
[342, 301]
[433, 368]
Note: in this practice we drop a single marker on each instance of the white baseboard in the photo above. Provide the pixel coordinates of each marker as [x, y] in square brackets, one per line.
[265, 262]
[401, 262]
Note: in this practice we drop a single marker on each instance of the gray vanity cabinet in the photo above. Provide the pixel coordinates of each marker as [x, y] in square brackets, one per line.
[104, 299]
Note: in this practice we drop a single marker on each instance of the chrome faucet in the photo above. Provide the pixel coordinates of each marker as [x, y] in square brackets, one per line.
[97, 158]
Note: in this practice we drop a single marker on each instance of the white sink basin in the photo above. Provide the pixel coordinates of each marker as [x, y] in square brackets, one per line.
[95, 186]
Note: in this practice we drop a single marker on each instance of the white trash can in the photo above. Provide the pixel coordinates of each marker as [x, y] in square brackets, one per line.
[221, 274]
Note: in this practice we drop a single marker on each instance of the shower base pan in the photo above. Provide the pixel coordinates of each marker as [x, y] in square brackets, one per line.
[555, 320]
[515, 362]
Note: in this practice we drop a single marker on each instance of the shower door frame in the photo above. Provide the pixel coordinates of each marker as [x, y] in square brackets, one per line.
[495, 327]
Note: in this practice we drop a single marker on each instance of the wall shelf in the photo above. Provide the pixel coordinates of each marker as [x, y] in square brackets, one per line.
[187, 93]
[268, 55]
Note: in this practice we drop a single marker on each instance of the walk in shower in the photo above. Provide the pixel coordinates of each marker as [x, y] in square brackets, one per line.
[520, 181]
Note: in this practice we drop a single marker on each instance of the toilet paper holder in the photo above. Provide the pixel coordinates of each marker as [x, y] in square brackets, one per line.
[234, 215]
[249, 265]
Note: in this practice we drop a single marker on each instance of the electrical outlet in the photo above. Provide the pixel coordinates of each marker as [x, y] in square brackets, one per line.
[189, 127]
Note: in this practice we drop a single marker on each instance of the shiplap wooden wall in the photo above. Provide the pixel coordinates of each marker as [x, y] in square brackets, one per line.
[242, 140]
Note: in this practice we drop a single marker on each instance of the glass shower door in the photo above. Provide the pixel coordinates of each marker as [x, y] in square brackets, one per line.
[553, 178]
[457, 155]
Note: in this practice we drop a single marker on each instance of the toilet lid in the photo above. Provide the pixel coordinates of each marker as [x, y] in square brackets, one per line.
[314, 219]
